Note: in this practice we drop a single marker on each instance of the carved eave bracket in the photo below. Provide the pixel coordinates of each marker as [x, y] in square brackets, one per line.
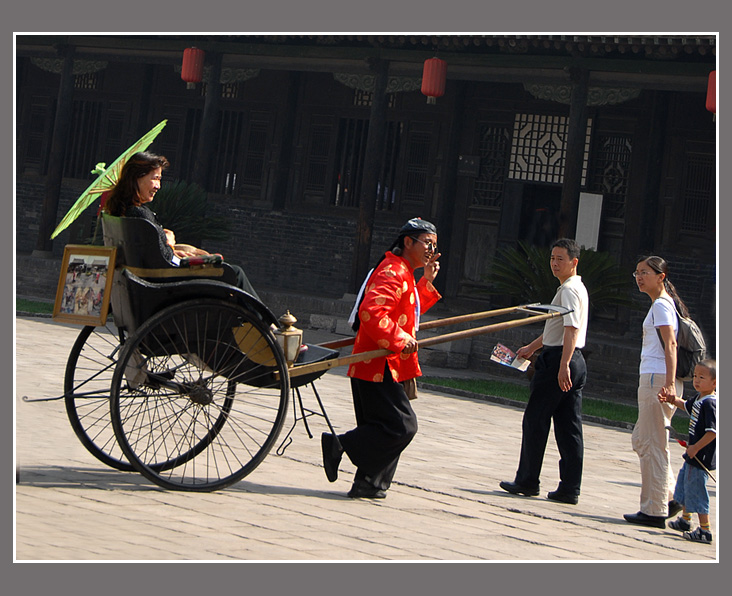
[365, 82]
[228, 75]
[596, 96]
[81, 67]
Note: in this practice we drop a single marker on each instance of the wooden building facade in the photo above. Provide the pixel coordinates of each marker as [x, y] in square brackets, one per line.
[317, 148]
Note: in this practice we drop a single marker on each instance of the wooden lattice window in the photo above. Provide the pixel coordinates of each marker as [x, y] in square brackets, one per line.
[698, 192]
[256, 148]
[36, 135]
[239, 164]
[387, 196]
[494, 150]
[82, 149]
[230, 90]
[318, 154]
[539, 147]
[417, 167]
[610, 171]
[364, 99]
[228, 151]
[88, 81]
[350, 156]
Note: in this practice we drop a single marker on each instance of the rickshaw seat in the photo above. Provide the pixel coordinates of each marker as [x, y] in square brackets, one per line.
[145, 282]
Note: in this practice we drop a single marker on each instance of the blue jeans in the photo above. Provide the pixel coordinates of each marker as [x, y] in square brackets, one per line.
[691, 489]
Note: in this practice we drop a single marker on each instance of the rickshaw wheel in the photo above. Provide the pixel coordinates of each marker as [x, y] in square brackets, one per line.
[199, 395]
[87, 382]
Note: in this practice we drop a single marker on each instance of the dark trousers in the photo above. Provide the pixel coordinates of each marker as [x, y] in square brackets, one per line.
[385, 425]
[547, 403]
[242, 281]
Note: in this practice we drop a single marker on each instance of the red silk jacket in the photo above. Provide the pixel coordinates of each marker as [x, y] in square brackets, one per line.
[387, 316]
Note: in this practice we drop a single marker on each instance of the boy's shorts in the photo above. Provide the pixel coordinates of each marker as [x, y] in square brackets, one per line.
[691, 489]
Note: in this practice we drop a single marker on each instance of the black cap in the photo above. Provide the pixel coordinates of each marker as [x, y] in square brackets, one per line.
[419, 226]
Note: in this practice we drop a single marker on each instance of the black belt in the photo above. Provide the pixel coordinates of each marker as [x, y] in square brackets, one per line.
[551, 348]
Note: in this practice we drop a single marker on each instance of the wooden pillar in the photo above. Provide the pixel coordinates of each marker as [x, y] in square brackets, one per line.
[644, 184]
[54, 177]
[574, 157]
[448, 198]
[144, 99]
[209, 122]
[370, 179]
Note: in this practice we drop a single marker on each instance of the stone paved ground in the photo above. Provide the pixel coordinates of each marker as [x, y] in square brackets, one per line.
[444, 506]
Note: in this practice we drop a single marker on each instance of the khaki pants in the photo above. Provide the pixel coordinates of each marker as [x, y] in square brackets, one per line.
[650, 442]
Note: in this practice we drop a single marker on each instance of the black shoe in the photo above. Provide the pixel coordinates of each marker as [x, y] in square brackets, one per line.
[332, 454]
[674, 507]
[642, 519]
[558, 495]
[517, 489]
[363, 490]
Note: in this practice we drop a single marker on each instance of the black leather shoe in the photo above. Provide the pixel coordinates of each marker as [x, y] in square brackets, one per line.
[557, 495]
[642, 519]
[674, 507]
[517, 489]
[332, 454]
[364, 490]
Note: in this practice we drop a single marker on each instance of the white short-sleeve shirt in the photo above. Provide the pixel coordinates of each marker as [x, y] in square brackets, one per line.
[571, 294]
[653, 358]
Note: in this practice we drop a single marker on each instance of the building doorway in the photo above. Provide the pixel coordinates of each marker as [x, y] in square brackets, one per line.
[540, 205]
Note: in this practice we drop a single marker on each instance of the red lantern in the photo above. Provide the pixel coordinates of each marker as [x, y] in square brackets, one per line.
[712, 92]
[192, 71]
[433, 78]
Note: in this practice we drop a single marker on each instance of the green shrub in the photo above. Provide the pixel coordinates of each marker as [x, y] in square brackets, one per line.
[181, 207]
[525, 276]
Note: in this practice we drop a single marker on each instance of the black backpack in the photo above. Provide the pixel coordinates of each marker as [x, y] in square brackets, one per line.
[691, 348]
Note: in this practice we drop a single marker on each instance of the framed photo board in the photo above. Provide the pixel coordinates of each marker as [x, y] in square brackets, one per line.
[85, 284]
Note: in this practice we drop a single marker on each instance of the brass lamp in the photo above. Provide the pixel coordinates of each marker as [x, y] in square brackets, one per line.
[289, 337]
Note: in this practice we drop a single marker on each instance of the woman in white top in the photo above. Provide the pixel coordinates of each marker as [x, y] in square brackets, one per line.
[657, 370]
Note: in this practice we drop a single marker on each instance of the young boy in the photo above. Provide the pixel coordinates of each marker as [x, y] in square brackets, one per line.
[701, 452]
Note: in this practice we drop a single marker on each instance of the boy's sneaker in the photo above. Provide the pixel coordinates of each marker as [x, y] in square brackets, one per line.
[699, 535]
[680, 524]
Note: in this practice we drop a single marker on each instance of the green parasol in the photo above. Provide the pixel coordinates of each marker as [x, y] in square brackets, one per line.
[106, 179]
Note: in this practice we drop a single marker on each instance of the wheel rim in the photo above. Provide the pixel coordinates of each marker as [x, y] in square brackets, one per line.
[87, 383]
[195, 401]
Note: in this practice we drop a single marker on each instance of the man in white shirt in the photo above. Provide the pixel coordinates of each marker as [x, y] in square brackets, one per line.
[556, 387]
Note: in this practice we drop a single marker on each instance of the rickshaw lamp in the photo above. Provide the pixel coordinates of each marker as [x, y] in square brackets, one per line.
[434, 75]
[192, 71]
[712, 93]
[289, 337]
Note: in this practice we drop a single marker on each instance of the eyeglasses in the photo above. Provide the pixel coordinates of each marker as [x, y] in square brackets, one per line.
[428, 245]
[637, 274]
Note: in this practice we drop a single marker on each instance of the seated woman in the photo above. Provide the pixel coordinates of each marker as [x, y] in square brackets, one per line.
[138, 182]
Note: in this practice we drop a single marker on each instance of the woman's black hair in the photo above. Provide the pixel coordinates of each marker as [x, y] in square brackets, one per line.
[124, 194]
[659, 265]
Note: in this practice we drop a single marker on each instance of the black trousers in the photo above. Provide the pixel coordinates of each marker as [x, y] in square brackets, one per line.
[242, 281]
[547, 404]
[385, 425]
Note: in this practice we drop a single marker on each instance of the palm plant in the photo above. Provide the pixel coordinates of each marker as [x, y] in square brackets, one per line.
[181, 207]
[524, 274]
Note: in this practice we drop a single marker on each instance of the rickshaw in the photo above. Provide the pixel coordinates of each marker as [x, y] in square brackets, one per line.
[188, 382]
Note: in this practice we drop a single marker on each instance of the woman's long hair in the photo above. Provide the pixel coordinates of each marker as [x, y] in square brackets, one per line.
[659, 265]
[124, 194]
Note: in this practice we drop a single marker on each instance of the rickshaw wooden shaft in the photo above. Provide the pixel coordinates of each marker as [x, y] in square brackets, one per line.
[427, 325]
[425, 343]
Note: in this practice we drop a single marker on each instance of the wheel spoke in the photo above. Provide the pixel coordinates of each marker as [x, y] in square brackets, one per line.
[206, 408]
[87, 384]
